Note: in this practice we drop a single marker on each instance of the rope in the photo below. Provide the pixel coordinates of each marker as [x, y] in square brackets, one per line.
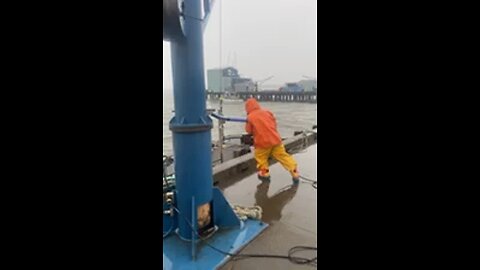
[244, 213]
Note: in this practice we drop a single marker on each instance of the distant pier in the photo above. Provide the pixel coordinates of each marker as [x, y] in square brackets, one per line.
[273, 96]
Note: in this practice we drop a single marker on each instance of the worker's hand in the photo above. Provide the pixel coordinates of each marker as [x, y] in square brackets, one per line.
[247, 139]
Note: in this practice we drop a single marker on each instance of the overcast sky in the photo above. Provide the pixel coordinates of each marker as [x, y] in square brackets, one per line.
[262, 38]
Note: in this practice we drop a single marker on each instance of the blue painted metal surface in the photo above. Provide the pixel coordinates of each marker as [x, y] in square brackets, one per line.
[176, 254]
[229, 119]
[191, 135]
[223, 216]
[191, 124]
[169, 222]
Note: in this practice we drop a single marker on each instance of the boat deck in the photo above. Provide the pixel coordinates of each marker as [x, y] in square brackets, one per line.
[291, 213]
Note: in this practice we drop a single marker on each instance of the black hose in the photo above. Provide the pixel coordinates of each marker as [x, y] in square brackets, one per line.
[308, 180]
[295, 260]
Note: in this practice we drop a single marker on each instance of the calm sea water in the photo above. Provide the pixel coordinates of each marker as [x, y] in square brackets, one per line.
[290, 117]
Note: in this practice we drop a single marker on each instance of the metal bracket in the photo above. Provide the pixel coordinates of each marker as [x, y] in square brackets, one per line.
[188, 128]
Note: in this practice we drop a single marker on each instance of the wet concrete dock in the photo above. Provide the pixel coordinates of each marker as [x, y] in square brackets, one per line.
[291, 213]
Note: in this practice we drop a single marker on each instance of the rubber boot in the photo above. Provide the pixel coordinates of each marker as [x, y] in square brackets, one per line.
[295, 177]
[264, 178]
[296, 181]
[264, 175]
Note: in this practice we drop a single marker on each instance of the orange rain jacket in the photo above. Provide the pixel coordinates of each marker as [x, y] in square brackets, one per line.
[262, 125]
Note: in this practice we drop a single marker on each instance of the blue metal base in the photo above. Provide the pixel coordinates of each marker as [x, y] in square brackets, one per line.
[177, 253]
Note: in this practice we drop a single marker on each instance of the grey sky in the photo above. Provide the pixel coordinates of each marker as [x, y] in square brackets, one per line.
[262, 38]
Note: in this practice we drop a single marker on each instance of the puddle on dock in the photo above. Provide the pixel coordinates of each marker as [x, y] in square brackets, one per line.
[290, 211]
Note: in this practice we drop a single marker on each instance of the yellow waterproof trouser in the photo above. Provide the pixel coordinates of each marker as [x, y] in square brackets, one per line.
[280, 154]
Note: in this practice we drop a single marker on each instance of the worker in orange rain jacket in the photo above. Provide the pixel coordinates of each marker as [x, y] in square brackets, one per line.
[263, 126]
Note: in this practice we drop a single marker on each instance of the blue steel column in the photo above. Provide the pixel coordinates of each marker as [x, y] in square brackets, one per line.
[191, 124]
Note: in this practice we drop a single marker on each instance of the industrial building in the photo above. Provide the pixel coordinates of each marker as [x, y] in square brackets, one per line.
[308, 85]
[228, 80]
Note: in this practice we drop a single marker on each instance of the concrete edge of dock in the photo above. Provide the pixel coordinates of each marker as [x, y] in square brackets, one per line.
[246, 163]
